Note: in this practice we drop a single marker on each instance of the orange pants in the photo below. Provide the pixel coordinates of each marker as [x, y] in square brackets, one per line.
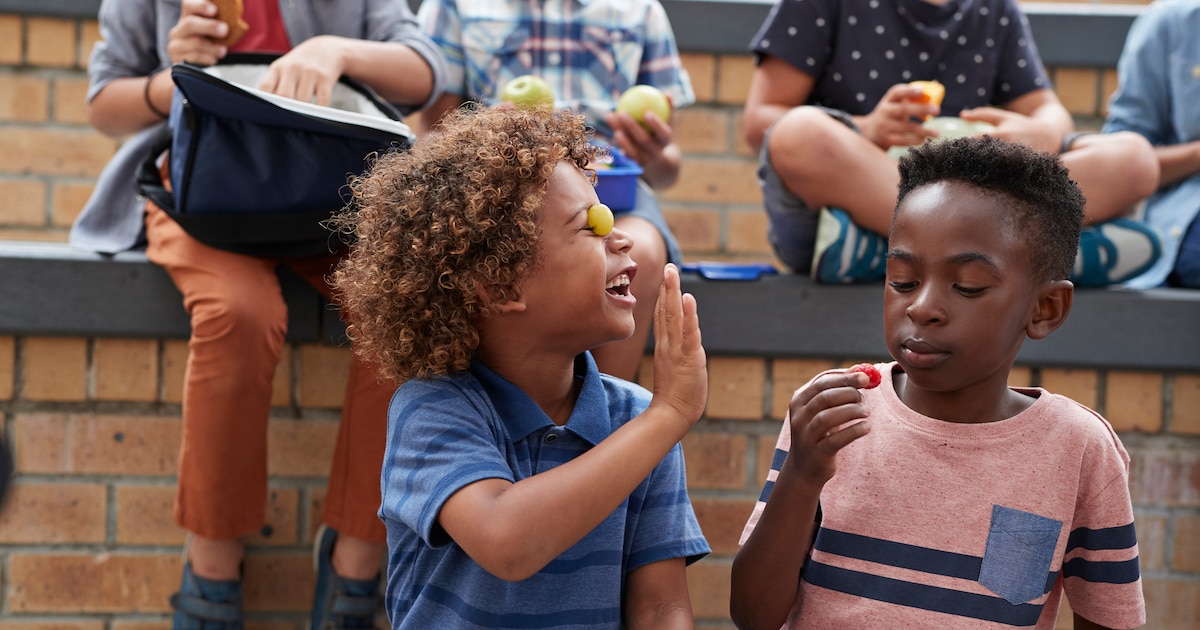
[239, 320]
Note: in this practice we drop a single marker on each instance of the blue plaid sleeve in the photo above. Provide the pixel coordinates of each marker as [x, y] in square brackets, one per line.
[440, 20]
[661, 65]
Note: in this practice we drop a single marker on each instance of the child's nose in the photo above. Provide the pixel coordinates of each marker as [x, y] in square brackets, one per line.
[925, 307]
[620, 240]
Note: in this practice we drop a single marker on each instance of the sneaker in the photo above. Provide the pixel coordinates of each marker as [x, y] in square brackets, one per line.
[339, 602]
[203, 604]
[1114, 252]
[846, 253]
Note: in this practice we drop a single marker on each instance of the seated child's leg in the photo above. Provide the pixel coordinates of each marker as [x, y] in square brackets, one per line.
[1115, 171]
[1187, 265]
[825, 162]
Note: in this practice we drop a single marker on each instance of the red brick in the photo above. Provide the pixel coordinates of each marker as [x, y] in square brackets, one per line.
[735, 388]
[1186, 553]
[145, 516]
[715, 460]
[716, 180]
[1108, 85]
[765, 454]
[702, 130]
[125, 369]
[24, 98]
[323, 374]
[70, 100]
[55, 368]
[44, 151]
[316, 511]
[279, 582]
[1185, 403]
[696, 230]
[1165, 477]
[8, 358]
[282, 522]
[788, 375]
[702, 70]
[708, 585]
[747, 234]
[67, 200]
[1172, 604]
[1152, 541]
[11, 39]
[51, 42]
[85, 583]
[44, 513]
[174, 368]
[733, 78]
[1133, 401]
[89, 34]
[1078, 89]
[97, 444]
[300, 448]
[740, 146]
[722, 521]
[52, 624]
[281, 386]
[1020, 376]
[1078, 385]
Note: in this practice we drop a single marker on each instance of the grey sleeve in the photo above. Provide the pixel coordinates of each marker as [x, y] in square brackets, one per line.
[128, 46]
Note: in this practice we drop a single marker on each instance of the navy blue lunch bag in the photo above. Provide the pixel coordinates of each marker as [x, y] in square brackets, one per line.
[256, 173]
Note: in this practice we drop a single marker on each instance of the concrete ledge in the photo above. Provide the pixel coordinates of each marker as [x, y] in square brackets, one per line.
[1067, 34]
[51, 289]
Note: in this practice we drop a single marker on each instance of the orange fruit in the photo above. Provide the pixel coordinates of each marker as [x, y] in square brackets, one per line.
[933, 91]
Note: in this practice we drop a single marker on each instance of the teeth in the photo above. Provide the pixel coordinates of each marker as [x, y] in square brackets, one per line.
[620, 281]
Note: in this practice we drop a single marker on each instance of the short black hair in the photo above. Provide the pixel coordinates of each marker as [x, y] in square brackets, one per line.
[1048, 206]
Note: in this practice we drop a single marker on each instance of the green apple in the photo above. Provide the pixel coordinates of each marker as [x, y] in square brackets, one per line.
[529, 91]
[639, 99]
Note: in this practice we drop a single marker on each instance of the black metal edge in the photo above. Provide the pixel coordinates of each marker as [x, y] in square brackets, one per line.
[1066, 34]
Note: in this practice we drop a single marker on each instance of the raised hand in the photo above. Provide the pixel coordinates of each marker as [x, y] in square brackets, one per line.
[680, 365]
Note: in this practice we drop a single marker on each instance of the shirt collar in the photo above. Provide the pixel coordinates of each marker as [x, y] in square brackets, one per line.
[590, 419]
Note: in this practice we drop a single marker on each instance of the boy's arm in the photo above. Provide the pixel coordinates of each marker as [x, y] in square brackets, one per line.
[394, 70]
[513, 530]
[432, 115]
[766, 570]
[1036, 119]
[775, 87]
[657, 597]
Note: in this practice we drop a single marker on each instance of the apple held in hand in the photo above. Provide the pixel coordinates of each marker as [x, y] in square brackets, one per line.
[639, 99]
[529, 91]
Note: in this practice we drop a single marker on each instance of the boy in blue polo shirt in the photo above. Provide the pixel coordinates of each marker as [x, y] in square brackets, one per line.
[521, 487]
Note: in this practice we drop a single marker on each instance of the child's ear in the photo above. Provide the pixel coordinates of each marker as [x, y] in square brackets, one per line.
[497, 307]
[1051, 309]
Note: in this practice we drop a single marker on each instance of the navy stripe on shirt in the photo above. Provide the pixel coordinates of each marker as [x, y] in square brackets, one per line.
[1117, 572]
[1122, 537]
[922, 596]
[905, 556]
[551, 619]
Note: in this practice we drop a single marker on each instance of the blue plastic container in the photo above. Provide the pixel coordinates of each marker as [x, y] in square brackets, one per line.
[616, 183]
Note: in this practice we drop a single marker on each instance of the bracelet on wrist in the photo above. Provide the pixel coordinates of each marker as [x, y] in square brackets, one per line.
[146, 95]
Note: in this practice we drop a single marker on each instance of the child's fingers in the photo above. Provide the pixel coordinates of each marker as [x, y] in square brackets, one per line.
[668, 310]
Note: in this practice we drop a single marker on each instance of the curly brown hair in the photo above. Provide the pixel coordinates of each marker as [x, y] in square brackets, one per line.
[435, 226]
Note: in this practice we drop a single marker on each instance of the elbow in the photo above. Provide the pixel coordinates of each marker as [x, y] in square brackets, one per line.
[510, 558]
[752, 132]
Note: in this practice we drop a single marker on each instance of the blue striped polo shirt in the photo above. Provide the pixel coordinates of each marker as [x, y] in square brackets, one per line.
[445, 433]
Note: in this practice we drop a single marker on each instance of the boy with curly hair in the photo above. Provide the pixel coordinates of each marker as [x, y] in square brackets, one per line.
[943, 498]
[521, 485]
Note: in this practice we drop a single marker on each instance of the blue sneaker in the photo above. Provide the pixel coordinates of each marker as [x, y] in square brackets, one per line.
[203, 604]
[846, 253]
[339, 602]
[1114, 252]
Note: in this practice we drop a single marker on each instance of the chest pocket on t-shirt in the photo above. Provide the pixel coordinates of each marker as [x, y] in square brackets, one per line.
[1020, 549]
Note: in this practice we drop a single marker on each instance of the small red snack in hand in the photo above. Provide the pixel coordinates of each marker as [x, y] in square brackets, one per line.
[872, 373]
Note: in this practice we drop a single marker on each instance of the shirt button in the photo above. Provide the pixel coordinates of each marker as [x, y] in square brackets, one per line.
[550, 437]
[554, 58]
[1176, 231]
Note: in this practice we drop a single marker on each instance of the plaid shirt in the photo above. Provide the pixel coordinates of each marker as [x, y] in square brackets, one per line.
[589, 51]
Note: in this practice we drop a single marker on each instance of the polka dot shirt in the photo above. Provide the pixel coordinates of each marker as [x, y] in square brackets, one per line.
[981, 50]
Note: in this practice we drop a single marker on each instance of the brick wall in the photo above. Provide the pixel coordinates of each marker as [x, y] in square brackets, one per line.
[87, 541]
